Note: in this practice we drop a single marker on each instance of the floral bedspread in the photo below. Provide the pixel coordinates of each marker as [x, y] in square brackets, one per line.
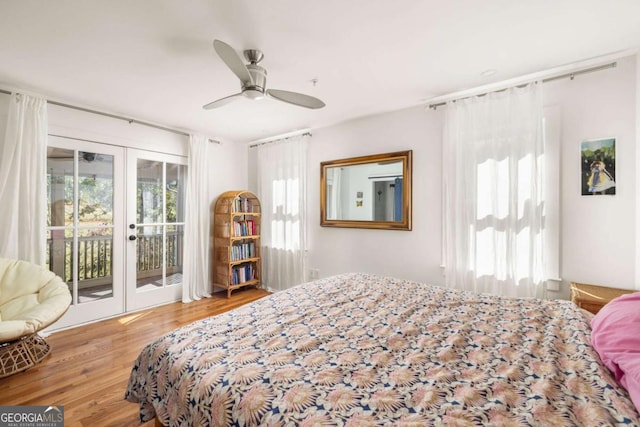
[364, 350]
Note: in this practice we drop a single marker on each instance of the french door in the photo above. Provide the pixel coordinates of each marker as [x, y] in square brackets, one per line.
[85, 226]
[155, 228]
[115, 225]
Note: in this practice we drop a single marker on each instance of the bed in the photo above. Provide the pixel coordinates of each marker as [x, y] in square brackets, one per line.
[360, 349]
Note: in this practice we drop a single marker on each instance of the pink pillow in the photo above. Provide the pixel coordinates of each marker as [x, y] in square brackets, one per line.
[615, 334]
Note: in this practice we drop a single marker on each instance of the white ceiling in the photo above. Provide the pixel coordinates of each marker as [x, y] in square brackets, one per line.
[153, 60]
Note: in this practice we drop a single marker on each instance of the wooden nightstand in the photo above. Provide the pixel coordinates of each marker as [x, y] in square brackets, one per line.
[592, 298]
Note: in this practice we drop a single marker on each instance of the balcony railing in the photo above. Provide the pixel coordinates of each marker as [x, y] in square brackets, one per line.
[95, 254]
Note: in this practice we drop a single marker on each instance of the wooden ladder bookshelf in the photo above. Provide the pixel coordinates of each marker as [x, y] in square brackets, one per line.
[236, 232]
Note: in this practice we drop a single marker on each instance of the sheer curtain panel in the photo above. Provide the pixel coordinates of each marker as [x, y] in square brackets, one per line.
[282, 189]
[23, 197]
[493, 193]
[195, 283]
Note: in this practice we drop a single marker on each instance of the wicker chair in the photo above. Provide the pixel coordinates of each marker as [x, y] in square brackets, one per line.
[31, 298]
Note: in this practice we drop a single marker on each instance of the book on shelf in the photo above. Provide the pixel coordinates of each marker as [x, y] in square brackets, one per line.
[242, 204]
[242, 273]
[244, 228]
[243, 251]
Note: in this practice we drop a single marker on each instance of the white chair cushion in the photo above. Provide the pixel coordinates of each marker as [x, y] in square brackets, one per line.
[31, 298]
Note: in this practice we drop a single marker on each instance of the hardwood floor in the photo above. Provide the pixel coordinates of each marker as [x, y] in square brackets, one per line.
[88, 368]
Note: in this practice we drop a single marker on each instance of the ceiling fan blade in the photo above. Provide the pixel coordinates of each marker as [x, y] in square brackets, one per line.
[222, 101]
[296, 98]
[233, 61]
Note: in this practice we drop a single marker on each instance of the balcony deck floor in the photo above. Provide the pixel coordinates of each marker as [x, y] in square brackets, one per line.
[93, 293]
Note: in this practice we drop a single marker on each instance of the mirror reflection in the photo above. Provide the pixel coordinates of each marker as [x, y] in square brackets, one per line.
[367, 192]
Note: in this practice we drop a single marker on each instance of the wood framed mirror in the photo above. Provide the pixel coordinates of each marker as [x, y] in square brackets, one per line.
[367, 192]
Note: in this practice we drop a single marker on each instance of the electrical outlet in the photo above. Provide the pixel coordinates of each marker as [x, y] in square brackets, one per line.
[314, 273]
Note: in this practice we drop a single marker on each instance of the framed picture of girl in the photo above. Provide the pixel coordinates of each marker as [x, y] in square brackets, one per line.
[598, 166]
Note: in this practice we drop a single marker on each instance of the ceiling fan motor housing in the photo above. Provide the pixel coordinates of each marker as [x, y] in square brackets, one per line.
[259, 76]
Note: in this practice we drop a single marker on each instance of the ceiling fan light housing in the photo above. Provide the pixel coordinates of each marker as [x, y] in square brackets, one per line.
[255, 90]
[253, 93]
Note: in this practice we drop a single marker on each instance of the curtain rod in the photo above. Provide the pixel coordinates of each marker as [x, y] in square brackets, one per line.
[114, 116]
[570, 75]
[280, 139]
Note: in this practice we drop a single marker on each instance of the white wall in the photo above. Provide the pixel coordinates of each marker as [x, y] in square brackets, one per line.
[598, 233]
[228, 169]
[73, 123]
[407, 254]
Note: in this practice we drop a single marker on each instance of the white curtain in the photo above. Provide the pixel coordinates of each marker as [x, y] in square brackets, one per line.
[23, 196]
[282, 189]
[493, 193]
[195, 282]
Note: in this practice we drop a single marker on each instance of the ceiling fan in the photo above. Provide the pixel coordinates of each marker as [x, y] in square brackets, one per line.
[253, 80]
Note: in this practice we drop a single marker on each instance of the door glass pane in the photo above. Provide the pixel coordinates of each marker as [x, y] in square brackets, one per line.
[149, 258]
[95, 189]
[94, 279]
[95, 265]
[175, 192]
[175, 235]
[149, 192]
[59, 186]
[160, 202]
